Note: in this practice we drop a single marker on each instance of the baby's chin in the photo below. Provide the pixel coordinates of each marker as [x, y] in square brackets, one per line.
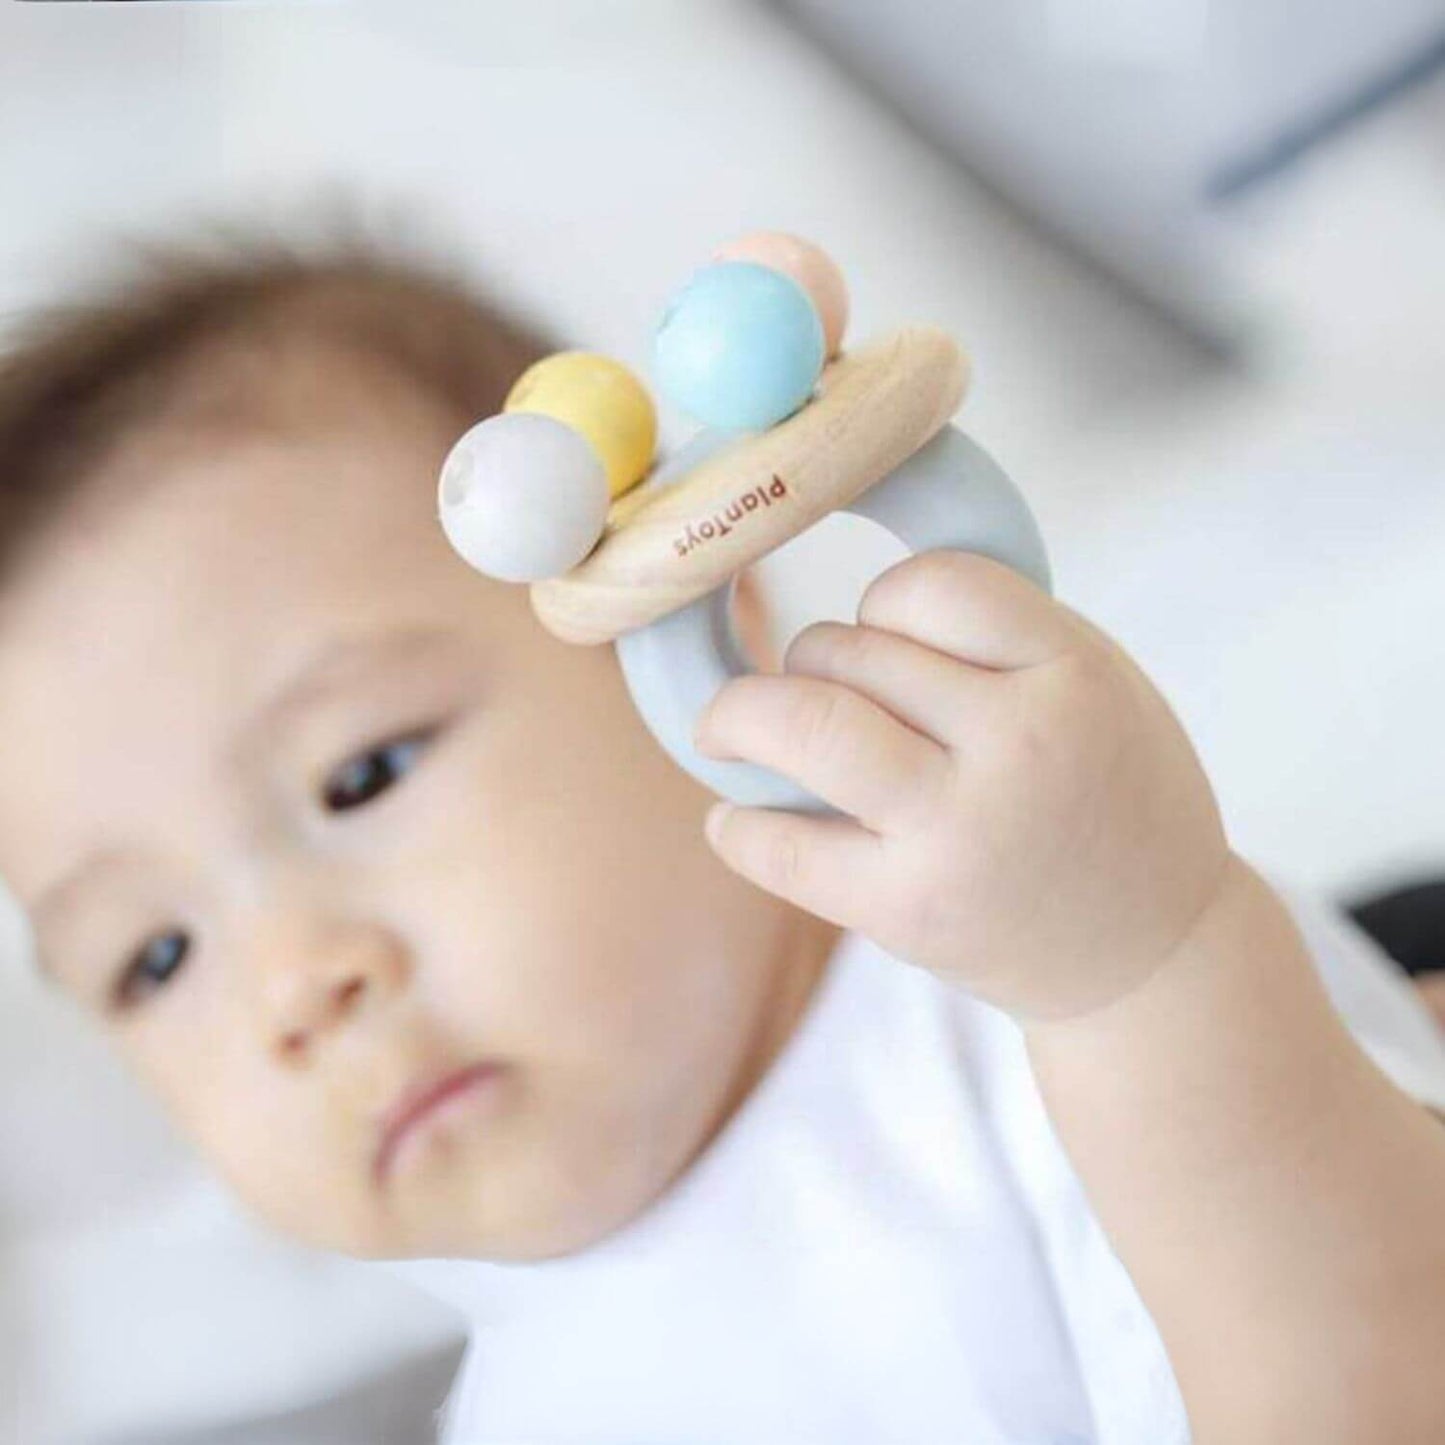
[526, 1224]
[453, 1201]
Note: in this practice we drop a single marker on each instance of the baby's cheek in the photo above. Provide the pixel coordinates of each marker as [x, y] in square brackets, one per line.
[267, 1142]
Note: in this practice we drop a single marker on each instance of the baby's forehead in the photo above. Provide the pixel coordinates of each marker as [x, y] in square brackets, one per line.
[239, 429]
[132, 644]
[310, 392]
[308, 423]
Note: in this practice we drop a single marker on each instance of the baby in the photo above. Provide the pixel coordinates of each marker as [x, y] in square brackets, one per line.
[402, 913]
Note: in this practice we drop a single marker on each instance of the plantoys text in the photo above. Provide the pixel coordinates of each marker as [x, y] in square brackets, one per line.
[718, 525]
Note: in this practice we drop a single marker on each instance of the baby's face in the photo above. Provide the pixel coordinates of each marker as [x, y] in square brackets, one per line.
[354, 826]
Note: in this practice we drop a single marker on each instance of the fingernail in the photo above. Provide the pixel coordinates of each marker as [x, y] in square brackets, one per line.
[712, 824]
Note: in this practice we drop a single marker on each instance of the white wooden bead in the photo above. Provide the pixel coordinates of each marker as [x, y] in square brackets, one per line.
[522, 497]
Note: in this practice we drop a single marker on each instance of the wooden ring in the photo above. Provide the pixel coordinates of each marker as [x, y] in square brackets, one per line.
[665, 546]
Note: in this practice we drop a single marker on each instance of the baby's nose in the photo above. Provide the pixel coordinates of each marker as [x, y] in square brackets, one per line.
[316, 976]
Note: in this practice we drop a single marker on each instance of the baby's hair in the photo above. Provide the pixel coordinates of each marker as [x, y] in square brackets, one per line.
[198, 331]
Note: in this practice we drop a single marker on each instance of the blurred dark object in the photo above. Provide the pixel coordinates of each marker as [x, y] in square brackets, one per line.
[1408, 923]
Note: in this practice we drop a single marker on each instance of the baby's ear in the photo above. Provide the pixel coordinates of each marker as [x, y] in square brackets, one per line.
[753, 623]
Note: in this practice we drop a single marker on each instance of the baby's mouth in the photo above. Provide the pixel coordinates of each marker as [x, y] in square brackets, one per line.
[424, 1104]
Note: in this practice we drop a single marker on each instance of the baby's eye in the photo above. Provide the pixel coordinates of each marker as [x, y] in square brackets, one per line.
[152, 968]
[361, 778]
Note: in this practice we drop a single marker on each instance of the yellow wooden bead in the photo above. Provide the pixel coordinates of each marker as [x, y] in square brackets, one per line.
[601, 399]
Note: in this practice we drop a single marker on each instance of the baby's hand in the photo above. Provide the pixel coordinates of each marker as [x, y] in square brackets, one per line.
[1028, 818]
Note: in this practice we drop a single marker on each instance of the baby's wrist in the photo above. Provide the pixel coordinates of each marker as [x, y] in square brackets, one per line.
[1241, 929]
[1230, 892]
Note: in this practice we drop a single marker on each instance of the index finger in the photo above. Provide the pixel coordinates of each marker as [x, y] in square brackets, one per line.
[971, 607]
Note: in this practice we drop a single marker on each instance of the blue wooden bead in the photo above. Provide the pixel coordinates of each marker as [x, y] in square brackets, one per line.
[739, 347]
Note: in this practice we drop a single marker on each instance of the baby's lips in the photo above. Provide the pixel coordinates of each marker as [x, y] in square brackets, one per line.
[418, 1101]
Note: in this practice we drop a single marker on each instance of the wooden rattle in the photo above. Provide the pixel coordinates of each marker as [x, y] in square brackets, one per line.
[559, 490]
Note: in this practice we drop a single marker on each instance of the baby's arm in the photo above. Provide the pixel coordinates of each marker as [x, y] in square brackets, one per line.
[1025, 817]
[1276, 1200]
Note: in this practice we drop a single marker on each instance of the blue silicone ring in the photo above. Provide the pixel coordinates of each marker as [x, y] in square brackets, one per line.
[949, 493]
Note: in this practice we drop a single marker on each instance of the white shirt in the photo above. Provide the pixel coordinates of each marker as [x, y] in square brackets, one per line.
[885, 1244]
